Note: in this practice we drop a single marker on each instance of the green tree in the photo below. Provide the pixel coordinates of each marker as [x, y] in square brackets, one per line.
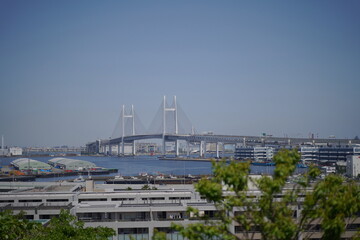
[66, 226]
[13, 227]
[328, 204]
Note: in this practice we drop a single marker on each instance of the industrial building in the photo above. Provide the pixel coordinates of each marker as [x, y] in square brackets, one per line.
[309, 154]
[71, 164]
[29, 164]
[15, 151]
[12, 151]
[323, 154]
[255, 153]
[335, 154]
[4, 152]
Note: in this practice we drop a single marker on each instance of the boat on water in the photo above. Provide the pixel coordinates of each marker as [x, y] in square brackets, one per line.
[79, 179]
[117, 177]
[143, 174]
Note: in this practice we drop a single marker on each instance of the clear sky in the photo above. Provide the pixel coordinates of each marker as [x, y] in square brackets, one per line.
[236, 67]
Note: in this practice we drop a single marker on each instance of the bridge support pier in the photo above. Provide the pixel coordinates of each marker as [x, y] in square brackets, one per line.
[164, 146]
[187, 149]
[122, 148]
[176, 148]
[217, 150]
[133, 148]
[202, 149]
[119, 149]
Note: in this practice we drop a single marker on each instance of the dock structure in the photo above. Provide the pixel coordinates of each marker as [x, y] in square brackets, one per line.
[26, 169]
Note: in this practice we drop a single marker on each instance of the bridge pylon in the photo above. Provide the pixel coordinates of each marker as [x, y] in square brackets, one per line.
[170, 109]
[174, 110]
[123, 118]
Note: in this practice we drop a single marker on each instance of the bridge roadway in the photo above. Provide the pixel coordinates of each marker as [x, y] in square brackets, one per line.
[209, 138]
[228, 139]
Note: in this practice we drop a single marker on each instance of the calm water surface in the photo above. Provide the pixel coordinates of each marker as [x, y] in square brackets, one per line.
[132, 166]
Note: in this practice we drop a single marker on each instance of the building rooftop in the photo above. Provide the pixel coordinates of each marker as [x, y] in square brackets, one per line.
[27, 163]
[69, 163]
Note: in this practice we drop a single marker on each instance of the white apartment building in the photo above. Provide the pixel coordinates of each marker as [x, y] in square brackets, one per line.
[131, 213]
[136, 213]
[353, 166]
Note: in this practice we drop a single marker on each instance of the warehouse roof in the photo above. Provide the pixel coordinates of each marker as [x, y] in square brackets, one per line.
[27, 163]
[67, 162]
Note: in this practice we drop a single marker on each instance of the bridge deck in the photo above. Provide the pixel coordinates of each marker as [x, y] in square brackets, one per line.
[228, 139]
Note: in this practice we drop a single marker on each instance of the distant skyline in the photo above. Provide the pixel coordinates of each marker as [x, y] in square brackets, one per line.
[237, 67]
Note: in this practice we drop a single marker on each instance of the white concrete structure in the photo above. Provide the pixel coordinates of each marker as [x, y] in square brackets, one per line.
[4, 152]
[137, 213]
[15, 151]
[353, 166]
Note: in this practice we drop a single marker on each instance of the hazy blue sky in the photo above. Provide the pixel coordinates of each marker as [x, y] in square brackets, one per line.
[237, 67]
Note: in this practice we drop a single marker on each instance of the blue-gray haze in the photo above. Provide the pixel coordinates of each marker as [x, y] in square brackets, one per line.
[236, 67]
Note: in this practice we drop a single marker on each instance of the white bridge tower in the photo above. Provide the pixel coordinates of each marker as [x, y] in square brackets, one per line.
[170, 109]
[123, 117]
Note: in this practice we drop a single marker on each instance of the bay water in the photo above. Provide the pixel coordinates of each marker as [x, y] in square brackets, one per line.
[132, 166]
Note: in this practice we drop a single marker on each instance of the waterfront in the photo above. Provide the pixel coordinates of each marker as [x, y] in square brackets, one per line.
[132, 166]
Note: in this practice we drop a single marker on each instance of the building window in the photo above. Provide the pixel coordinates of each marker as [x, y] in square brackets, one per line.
[122, 199]
[30, 200]
[57, 200]
[135, 233]
[153, 198]
[179, 198]
[49, 216]
[92, 200]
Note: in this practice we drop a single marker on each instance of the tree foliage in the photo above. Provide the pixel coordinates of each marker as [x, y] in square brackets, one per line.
[66, 226]
[14, 227]
[280, 211]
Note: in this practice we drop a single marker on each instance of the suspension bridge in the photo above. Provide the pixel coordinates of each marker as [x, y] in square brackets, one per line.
[172, 125]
